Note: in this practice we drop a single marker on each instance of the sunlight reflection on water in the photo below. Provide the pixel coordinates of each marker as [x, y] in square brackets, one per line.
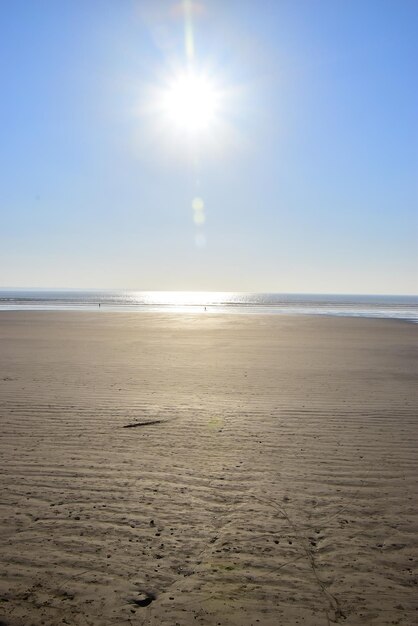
[393, 307]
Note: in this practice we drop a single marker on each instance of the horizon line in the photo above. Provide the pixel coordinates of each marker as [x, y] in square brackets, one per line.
[131, 289]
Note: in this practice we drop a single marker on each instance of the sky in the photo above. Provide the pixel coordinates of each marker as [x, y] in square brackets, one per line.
[301, 176]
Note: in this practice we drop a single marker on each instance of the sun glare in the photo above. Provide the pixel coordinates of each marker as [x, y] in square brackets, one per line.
[191, 102]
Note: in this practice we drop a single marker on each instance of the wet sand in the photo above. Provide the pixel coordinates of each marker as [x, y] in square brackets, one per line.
[268, 475]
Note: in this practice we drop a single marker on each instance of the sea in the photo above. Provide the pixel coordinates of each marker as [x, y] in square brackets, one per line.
[373, 306]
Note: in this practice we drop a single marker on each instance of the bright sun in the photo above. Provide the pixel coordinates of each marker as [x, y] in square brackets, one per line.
[190, 102]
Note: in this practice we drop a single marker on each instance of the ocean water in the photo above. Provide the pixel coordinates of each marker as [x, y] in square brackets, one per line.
[389, 307]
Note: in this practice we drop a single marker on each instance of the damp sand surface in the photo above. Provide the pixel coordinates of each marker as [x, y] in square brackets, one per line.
[209, 469]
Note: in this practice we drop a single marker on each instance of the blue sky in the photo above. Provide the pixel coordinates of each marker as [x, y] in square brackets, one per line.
[309, 182]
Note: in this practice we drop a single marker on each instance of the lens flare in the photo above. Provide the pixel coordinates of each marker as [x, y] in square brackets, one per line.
[198, 204]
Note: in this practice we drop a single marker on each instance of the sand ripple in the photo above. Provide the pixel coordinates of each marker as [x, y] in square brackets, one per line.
[278, 486]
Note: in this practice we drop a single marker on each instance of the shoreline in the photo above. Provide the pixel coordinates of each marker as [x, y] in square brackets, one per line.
[116, 301]
[210, 311]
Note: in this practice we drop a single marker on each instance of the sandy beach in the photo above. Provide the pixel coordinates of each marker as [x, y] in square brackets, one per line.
[210, 469]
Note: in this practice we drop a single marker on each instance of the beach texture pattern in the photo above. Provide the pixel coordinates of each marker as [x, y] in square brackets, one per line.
[207, 469]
